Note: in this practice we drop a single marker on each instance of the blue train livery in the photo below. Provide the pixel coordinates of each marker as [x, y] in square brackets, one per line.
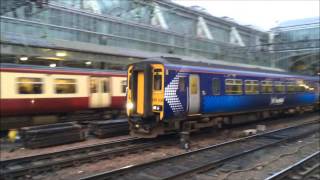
[165, 96]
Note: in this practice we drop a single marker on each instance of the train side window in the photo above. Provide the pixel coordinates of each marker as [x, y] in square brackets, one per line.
[216, 86]
[314, 87]
[123, 86]
[301, 86]
[291, 87]
[93, 85]
[65, 86]
[308, 87]
[279, 87]
[252, 86]
[233, 86]
[157, 80]
[106, 86]
[266, 87]
[182, 84]
[30, 85]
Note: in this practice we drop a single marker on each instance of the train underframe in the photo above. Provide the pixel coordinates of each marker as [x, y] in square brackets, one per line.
[152, 127]
[81, 116]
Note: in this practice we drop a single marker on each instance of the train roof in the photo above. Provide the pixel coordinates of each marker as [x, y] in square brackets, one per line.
[212, 67]
[58, 70]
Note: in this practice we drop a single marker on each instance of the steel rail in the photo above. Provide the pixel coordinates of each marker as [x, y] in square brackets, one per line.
[37, 164]
[301, 170]
[207, 158]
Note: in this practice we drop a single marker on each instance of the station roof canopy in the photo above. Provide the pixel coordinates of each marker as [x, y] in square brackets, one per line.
[300, 22]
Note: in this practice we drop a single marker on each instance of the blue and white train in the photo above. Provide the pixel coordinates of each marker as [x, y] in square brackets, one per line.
[164, 97]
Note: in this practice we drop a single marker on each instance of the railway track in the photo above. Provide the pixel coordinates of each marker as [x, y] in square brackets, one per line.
[307, 168]
[34, 165]
[177, 167]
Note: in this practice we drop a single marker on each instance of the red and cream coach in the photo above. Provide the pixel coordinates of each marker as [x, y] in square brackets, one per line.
[35, 94]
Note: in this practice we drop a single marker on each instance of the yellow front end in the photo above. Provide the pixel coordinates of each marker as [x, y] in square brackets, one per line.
[145, 96]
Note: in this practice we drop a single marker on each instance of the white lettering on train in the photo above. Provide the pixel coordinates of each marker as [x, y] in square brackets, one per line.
[276, 101]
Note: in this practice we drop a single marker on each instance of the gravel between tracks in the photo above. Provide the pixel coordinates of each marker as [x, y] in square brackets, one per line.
[263, 163]
[20, 152]
[165, 151]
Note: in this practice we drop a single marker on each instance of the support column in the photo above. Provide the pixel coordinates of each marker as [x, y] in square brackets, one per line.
[203, 30]
[158, 18]
[235, 37]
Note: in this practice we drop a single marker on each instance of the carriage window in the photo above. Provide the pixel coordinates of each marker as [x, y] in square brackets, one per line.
[216, 86]
[93, 86]
[182, 84]
[301, 86]
[233, 86]
[266, 86]
[106, 86]
[252, 87]
[123, 86]
[30, 85]
[279, 87]
[291, 87]
[65, 86]
[314, 87]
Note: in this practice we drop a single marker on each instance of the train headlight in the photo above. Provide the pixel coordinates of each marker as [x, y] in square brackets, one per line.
[129, 105]
[157, 108]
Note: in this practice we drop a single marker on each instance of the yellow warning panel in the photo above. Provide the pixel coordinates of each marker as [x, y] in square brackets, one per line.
[129, 91]
[140, 98]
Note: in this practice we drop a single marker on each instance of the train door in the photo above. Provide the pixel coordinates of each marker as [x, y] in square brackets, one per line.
[99, 92]
[194, 94]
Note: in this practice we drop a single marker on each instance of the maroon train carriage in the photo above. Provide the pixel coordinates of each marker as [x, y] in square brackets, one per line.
[38, 95]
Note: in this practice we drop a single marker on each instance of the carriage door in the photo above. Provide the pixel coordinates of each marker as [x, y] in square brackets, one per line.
[99, 92]
[194, 94]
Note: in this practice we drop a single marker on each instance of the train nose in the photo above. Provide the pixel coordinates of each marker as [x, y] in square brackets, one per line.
[139, 96]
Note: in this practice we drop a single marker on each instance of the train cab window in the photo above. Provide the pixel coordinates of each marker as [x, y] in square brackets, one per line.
[266, 87]
[279, 87]
[291, 87]
[157, 80]
[123, 86]
[216, 86]
[233, 86]
[182, 84]
[252, 86]
[106, 86]
[30, 85]
[65, 86]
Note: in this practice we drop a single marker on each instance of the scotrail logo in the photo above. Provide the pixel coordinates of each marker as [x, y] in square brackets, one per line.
[276, 101]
